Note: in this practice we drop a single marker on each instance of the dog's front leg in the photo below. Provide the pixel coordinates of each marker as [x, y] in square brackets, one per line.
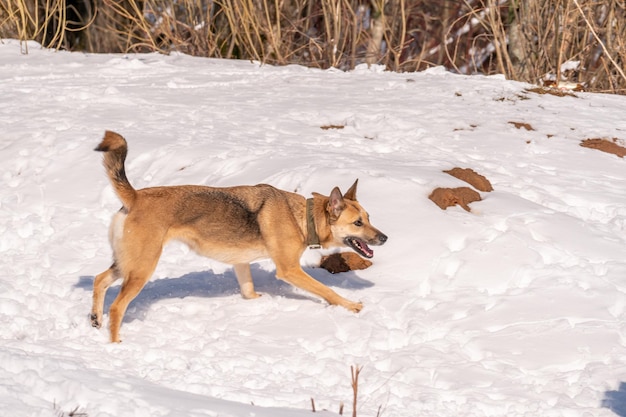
[297, 277]
[244, 277]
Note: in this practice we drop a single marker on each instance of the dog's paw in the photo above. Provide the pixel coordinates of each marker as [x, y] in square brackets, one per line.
[95, 322]
[355, 307]
[251, 296]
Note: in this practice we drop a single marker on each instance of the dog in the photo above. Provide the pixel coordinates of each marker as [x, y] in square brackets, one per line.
[234, 225]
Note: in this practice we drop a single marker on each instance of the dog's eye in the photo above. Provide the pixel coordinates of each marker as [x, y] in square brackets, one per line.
[358, 223]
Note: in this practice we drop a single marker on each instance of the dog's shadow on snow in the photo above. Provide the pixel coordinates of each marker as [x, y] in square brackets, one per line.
[209, 284]
[616, 400]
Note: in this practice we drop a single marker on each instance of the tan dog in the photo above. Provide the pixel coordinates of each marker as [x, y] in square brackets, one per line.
[235, 225]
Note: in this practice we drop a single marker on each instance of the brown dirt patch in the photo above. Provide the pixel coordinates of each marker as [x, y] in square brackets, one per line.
[605, 145]
[519, 125]
[328, 127]
[448, 197]
[344, 262]
[472, 178]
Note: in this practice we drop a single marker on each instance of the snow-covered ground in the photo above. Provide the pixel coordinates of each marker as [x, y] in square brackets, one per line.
[514, 309]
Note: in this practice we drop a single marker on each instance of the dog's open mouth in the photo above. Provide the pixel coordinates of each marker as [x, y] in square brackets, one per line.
[359, 246]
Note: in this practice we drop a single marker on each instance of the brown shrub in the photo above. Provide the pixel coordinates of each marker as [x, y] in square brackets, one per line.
[524, 40]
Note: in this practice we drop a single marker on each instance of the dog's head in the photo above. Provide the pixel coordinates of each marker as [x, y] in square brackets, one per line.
[347, 223]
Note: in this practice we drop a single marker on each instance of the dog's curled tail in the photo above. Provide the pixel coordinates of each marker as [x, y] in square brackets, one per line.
[115, 149]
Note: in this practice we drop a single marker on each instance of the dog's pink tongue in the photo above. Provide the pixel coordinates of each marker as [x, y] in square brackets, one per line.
[366, 249]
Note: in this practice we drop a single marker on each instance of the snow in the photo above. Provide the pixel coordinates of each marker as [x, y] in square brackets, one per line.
[515, 309]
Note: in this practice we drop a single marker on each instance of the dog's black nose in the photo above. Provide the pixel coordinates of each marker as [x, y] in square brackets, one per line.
[382, 238]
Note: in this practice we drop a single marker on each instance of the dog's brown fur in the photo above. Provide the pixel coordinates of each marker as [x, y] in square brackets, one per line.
[235, 225]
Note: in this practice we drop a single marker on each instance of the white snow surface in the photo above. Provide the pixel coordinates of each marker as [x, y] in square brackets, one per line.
[514, 309]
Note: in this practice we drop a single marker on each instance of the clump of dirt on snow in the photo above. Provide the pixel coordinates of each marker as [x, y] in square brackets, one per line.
[520, 125]
[344, 262]
[448, 197]
[462, 196]
[472, 178]
[605, 145]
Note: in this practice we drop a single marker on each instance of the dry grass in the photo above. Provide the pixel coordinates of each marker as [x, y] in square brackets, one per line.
[525, 40]
[551, 91]
[73, 413]
[355, 371]
[552, 33]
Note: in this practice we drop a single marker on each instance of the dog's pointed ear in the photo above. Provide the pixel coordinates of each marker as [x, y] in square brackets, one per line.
[336, 205]
[351, 193]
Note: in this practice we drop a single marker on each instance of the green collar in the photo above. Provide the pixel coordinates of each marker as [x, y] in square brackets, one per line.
[312, 239]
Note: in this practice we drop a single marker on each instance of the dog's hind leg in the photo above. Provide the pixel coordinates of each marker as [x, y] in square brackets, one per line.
[244, 277]
[145, 257]
[101, 284]
[132, 286]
